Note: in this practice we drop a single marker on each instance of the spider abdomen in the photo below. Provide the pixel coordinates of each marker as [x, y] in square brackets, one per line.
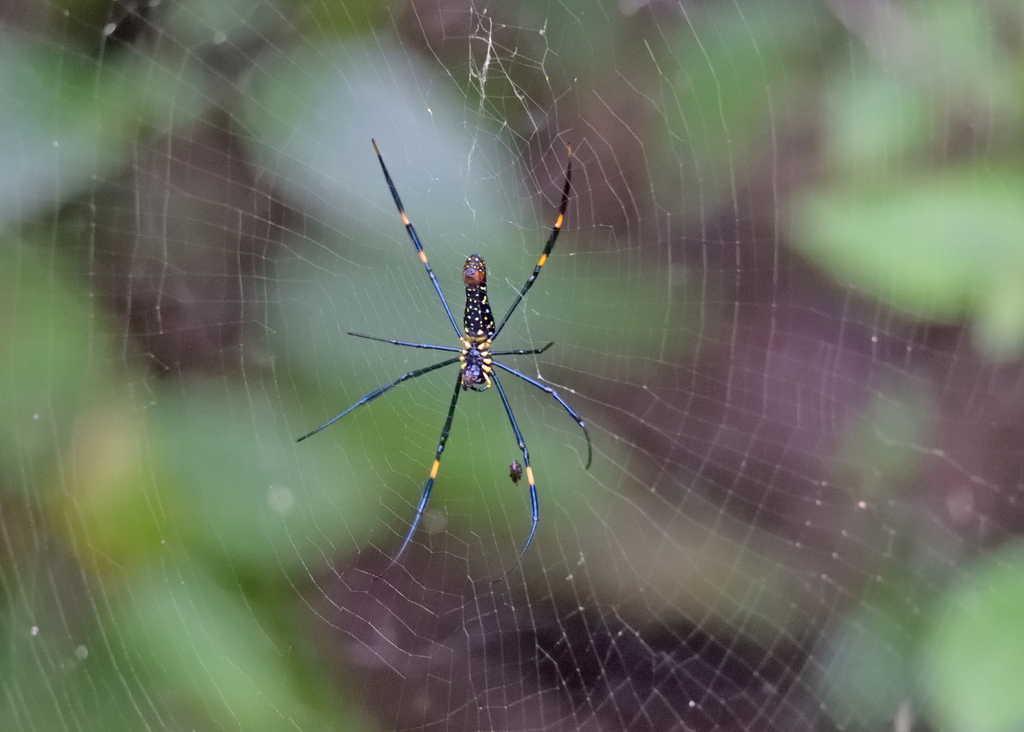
[478, 320]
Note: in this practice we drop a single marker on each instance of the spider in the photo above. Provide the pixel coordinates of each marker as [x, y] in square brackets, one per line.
[475, 358]
[515, 471]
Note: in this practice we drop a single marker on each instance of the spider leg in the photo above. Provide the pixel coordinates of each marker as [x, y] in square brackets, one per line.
[527, 470]
[416, 240]
[547, 247]
[429, 485]
[406, 343]
[566, 407]
[377, 392]
[523, 351]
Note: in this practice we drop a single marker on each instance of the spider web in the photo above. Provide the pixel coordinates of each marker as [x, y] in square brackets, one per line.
[786, 300]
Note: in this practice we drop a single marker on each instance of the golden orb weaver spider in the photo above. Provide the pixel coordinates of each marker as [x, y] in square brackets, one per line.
[475, 359]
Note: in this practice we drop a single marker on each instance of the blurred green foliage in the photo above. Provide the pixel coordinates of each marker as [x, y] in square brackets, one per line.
[156, 530]
[924, 204]
[942, 246]
[972, 658]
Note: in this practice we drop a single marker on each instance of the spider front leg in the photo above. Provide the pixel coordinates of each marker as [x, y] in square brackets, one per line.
[548, 246]
[412, 235]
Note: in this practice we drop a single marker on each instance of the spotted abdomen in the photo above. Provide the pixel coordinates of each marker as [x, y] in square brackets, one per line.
[479, 320]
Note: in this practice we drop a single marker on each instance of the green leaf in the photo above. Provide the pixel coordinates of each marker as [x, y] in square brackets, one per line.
[866, 659]
[945, 247]
[65, 119]
[876, 120]
[737, 67]
[258, 499]
[208, 650]
[51, 366]
[974, 669]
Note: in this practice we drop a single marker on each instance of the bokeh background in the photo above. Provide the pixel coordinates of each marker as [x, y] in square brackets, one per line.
[788, 300]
